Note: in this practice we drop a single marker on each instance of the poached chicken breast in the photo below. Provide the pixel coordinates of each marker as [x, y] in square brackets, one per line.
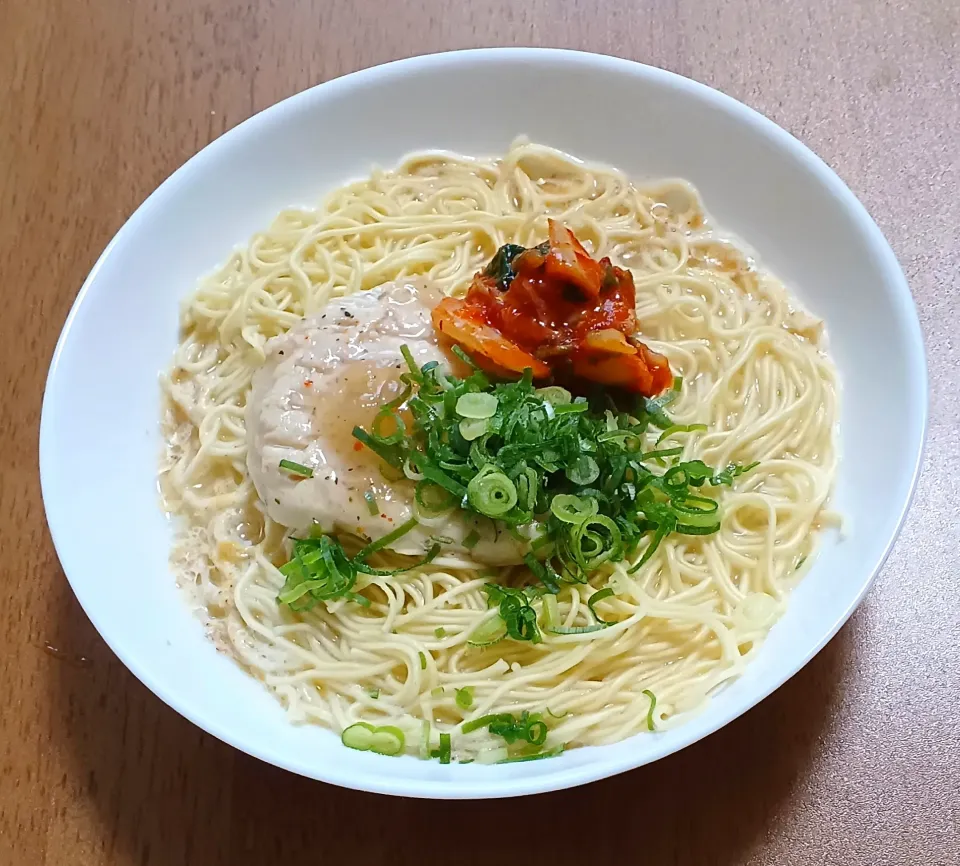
[325, 376]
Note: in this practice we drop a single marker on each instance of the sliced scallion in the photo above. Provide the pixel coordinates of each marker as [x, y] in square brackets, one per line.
[364, 737]
[488, 632]
[477, 406]
[297, 469]
[652, 707]
[573, 509]
[491, 493]
[598, 597]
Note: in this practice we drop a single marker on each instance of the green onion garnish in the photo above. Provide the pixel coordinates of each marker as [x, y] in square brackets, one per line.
[517, 614]
[385, 740]
[475, 405]
[464, 698]
[573, 509]
[653, 704]
[489, 632]
[528, 727]
[372, 506]
[589, 482]
[597, 597]
[423, 661]
[555, 395]
[296, 469]
[491, 493]
[443, 753]
[681, 428]
[440, 632]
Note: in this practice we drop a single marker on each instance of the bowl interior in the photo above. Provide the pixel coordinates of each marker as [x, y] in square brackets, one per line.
[100, 439]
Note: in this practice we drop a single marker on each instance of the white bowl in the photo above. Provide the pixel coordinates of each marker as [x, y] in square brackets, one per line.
[99, 437]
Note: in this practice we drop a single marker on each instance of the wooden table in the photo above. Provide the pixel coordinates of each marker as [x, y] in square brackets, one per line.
[855, 761]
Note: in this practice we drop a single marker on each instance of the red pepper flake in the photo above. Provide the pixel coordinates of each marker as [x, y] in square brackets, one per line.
[308, 383]
[357, 446]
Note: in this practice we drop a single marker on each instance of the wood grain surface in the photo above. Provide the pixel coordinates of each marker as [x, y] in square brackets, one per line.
[855, 761]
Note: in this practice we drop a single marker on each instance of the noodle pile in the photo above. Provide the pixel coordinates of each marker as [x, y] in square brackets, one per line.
[754, 371]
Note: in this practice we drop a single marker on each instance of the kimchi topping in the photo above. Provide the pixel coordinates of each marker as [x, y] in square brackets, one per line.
[558, 311]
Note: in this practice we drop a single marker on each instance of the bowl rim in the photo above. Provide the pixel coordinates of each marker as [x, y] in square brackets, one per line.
[597, 769]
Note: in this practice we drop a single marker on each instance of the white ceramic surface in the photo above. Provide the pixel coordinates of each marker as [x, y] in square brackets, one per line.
[99, 438]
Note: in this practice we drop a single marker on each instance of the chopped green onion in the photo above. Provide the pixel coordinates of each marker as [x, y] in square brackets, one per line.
[551, 612]
[515, 610]
[555, 395]
[476, 724]
[374, 693]
[358, 736]
[296, 469]
[372, 505]
[681, 428]
[385, 740]
[386, 540]
[477, 406]
[432, 499]
[565, 476]
[527, 727]
[384, 417]
[595, 541]
[443, 753]
[584, 470]
[573, 509]
[473, 428]
[696, 511]
[423, 661]
[577, 629]
[464, 698]
[653, 704]
[440, 632]
[661, 453]
[415, 373]
[489, 632]
[491, 493]
[598, 597]
[727, 476]
[437, 475]
[386, 453]
[463, 356]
